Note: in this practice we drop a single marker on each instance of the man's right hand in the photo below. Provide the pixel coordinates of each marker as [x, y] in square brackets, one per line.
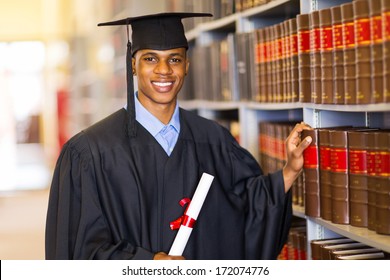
[163, 256]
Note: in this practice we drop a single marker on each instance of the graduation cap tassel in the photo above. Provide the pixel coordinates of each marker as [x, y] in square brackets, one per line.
[131, 124]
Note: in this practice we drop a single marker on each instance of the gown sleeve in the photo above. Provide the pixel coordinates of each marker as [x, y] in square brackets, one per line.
[269, 208]
[76, 227]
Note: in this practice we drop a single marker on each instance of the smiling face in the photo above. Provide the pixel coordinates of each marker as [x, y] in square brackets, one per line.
[160, 76]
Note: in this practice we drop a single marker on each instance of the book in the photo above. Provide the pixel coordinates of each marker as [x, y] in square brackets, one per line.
[304, 68]
[326, 51]
[366, 256]
[375, 9]
[386, 49]
[315, 57]
[278, 74]
[325, 175]
[252, 69]
[269, 57]
[335, 254]
[262, 65]
[286, 58]
[371, 181]
[338, 59]
[215, 72]
[311, 175]
[348, 31]
[328, 249]
[338, 143]
[243, 67]
[294, 63]
[317, 244]
[296, 245]
[362, 51]
[382, 186]
[358, 192]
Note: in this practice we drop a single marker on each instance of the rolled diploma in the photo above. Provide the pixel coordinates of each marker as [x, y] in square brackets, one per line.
[193, 210]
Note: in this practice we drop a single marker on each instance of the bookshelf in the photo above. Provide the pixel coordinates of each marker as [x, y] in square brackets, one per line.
[250, 113]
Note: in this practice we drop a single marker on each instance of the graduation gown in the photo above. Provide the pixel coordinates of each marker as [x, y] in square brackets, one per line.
[113, 197]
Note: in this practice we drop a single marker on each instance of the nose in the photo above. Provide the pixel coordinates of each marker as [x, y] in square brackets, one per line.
[163, 67]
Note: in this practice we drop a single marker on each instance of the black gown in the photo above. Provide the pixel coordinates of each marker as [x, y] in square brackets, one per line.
[113, 197]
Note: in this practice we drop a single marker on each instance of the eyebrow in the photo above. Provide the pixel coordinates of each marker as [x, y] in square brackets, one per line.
[156, 54]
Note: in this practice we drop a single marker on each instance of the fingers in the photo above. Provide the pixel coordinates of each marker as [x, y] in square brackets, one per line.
[164, 256]
[304, 144]
[294, 138]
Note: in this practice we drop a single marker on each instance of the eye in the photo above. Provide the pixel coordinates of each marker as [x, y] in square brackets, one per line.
[175, 60]
[149, 59]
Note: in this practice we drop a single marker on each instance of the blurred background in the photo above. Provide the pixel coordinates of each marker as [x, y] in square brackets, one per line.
[59, 73]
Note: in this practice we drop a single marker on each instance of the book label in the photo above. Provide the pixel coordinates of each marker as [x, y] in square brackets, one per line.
[338, 36]
[304, 41]
[382, 166]
[349, 34]
[376, 27]
[325, 158]
[357, 161]
[363, 32]
[326, 39]
[371, 163]
[386, 27]
[339, 159]
[310, 157]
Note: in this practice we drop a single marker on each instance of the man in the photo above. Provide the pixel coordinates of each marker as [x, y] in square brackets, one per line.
[117, 185]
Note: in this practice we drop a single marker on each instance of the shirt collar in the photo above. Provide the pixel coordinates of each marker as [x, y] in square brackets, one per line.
[150, 122]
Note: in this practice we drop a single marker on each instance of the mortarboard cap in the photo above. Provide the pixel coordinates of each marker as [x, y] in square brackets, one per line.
[161, 31]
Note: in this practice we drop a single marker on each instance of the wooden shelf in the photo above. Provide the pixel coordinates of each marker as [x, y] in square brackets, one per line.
[196, 104]
[362, 235]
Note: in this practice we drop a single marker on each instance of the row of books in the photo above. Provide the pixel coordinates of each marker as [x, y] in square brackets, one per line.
[346, 176]
[337, 55]
[272, 153]
[344, 249]
[242, 5]
[344, 55]
[296, 246]
[218, 8]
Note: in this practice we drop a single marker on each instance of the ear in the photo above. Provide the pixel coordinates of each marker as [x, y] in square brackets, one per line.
[187, 66]
[133, 65]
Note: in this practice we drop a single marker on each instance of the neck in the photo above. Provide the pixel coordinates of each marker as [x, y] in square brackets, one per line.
[161, 111]
[164, 112]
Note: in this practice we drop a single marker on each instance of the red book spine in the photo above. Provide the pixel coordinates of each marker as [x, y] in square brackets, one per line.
[349, 53]
[338, 59]
[382, 167]
[294, 64]
[363, 51]
[326, 49]
[358, 189]
[311, 175]
[371, 181]
[325, 175]
[376, 51]
[315, 54]
[339, 176]
[386, 49]
[304, 68]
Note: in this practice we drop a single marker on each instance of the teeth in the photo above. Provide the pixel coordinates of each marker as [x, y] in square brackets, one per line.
[162, 84]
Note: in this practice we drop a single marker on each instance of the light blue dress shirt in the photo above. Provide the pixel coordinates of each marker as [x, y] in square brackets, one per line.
[166, 135]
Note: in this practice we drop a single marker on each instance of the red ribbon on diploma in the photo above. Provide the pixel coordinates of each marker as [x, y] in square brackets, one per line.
[183, 220]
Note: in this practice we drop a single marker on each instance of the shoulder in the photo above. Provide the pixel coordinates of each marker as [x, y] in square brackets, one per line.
[111, 126]
[99, 136]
